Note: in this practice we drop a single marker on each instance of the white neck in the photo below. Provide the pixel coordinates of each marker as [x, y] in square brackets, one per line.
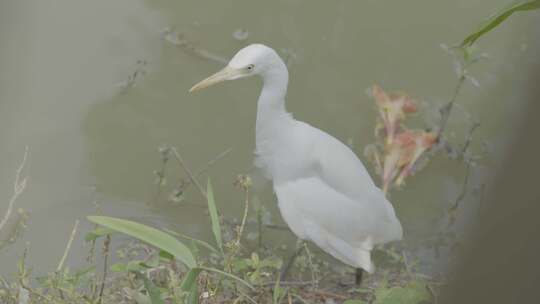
[271, 112]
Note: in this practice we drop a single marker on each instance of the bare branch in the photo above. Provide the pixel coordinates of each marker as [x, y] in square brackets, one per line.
[178, 39]
[188, 171]
[68, 246]
[18, 188]
[447, 109]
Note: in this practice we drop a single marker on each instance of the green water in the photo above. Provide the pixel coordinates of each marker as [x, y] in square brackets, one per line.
[90, 141]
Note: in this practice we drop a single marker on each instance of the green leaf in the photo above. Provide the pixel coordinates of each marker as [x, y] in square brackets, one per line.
[226, 274]
[152, 262]
[413, 293]
[190, 279]
[135, 266]
[198, 242]
[97, 233]
[279, 293]
[189, 285]
[498, 18]
[119, 267]
[193, 296]
[152, 236]
[166, 256]
[216, 227]
[153, 291]
[240, 265]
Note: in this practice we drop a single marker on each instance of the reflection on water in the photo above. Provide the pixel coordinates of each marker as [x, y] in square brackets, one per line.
[99, 91]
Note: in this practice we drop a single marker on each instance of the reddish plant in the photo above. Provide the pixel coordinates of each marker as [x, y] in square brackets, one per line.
[401, 148]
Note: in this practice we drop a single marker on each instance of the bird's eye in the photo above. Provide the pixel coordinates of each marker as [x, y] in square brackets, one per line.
[250, 67]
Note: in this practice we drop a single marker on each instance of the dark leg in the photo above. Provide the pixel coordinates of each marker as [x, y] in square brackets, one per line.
[358, 276]
[290, 262]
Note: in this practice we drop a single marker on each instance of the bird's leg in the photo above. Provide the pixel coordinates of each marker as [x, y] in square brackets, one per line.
[292, 258]
[358, 276]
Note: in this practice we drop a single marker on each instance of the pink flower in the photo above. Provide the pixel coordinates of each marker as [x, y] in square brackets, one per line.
[397, 155]
[392, 110]
[423, 141]
[402, 154]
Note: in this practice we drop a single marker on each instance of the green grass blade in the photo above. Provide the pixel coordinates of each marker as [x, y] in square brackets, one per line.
[189, 285]
[499, 18]
[276, 292]
[153, 291]
[193, 296]
[190, 279]
[232, 276]
[214, 217]
[150, 235]
[187, 237]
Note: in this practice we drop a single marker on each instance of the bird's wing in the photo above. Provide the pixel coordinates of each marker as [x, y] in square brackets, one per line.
[339, 225]
[339, 168]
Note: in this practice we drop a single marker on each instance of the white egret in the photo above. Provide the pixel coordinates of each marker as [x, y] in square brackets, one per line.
[323, 190]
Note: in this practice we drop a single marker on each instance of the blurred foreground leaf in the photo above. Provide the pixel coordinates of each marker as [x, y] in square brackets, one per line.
[413, 293]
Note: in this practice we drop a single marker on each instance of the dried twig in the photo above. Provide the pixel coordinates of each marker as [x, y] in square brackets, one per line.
[245, 184]
[178, 39]
[290, 283]
[68, 246]
[208, 165]
[188, 172]
[329, 294]
[106, 250]
[407, 265]
[447, 109]
[18, 187]
[313, 271]
[468, 139]
[433, 293]
[468, 163]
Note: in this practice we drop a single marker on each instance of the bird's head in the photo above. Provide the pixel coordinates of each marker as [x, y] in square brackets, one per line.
[254, 59]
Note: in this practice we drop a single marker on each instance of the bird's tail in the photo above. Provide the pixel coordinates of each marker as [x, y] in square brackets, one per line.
[358, 257]
[363, 260]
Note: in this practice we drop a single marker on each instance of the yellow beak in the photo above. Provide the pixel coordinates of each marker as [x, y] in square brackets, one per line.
[227, 73]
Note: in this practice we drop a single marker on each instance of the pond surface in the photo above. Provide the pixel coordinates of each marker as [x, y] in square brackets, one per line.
[93, 89]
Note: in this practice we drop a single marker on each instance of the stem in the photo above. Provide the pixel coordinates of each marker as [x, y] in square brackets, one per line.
[447, 109]
[68, 246]
[244, 218]
[207, 166]
[240, 230]
[106, 246]
[314, 278]
[189, 173]
[18, 187]
[259, 228]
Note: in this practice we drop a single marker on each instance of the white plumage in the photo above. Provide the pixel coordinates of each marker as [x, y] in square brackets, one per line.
[324, 192]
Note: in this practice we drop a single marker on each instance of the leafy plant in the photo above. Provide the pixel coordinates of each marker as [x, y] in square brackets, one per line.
[149, 235]
[214, 217]
[414, 292]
